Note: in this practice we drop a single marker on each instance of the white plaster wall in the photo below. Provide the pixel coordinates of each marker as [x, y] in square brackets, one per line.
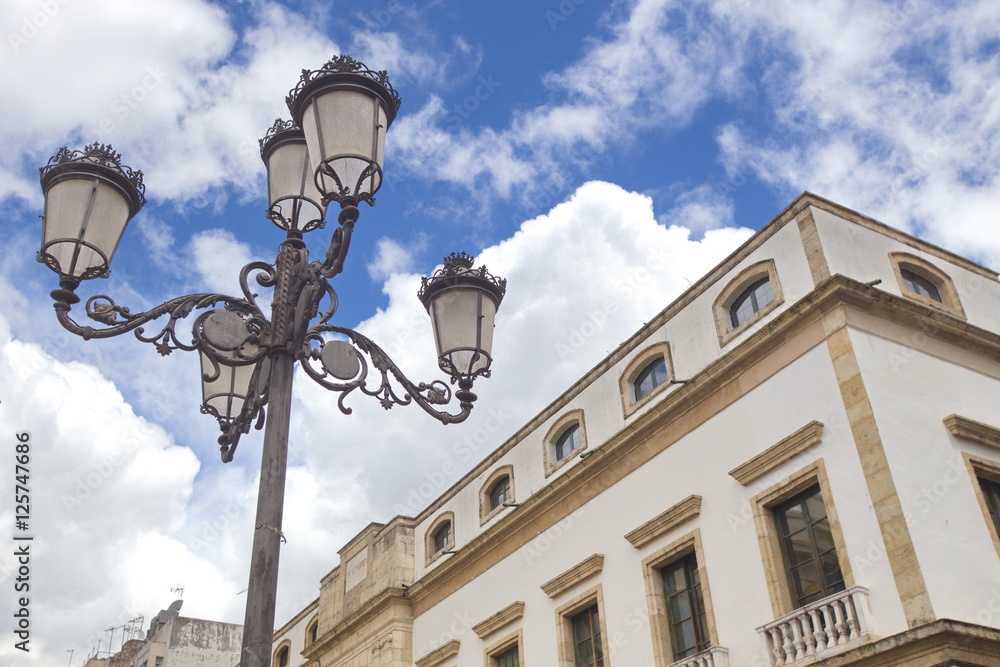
[911, 392]
[863, 254]
[694, 344]
[697, 464]
[296, 635]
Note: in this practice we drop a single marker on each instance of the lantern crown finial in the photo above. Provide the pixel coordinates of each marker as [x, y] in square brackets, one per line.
[345, 64]
[99, 154]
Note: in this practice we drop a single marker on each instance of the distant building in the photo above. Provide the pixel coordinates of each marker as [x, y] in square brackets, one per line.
[797, 462]
[177, 641]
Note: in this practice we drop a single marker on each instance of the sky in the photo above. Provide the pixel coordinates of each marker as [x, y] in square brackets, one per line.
[599, 156]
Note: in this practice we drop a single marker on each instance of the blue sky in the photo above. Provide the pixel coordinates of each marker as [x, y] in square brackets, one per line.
[591, 153]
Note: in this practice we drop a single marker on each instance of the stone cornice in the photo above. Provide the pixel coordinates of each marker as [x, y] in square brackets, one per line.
[574, 575]
[311, 607]
[772, 457]
[686, 509]
[790, 334]
[439, 655]
[508, 614]
[973, 431]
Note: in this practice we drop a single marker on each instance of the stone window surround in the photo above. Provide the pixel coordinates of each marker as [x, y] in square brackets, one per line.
[314, 623]
[735, 288]
[982, 468]
[430, 554]
[495, 650]
[642, 359]
[564, 624]
[485, 512]
[285, 645]
[767, 531]
[553, 434]
[945, 285]
[659, 621]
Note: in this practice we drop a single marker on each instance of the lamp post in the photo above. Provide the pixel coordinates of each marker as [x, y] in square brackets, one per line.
[331, 151]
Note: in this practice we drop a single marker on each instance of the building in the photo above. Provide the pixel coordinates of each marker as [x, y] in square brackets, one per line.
[796, 462]
[177, 641]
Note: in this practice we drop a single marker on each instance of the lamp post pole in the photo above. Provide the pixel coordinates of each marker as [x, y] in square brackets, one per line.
[331, 152]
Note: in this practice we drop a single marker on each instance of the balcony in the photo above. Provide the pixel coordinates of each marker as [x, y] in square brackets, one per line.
[716, 656]
[835, 624]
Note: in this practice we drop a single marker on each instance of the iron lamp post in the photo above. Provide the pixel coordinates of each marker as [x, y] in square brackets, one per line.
[330, 152]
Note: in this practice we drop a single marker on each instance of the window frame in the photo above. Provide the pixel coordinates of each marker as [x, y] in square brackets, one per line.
[735, 289]
[639, 363]
[984, 469]
[592, 599]
[431, 552]
[499, 649]
[950, 302]
[782, 599]
[286, 648]
[794, 583]
[312, 631]
[486, 512]
[559, 427]
[653, 566]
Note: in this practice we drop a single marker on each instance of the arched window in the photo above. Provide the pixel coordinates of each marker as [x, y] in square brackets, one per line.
[500, 492]
[649, 378]
[281, 660]
[312, 631]
[565, 437]
[921, 281]
[442, 537]
[568, 442]
[750, 301]
[917, 284]
[749, 296]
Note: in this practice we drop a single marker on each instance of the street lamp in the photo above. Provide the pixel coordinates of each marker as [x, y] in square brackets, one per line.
[331, 151]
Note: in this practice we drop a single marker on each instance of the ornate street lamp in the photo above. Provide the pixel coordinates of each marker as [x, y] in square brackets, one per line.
[331, 152]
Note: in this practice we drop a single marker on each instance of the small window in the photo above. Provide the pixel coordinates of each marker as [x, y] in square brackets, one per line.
[567, 442]
[750, 301]
[442, 537]
[500, 493]
[685, 607]
[991, 492]
[282, 660]
[507, 659]
[312, 632]
[807, 546]
[917, 284]
[587, 649]
[649, 378]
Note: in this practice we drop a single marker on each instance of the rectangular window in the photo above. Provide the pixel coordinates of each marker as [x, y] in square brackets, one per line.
[991, 492]
[508, 659]
[685, 607]
[587, 651]
[807, 547]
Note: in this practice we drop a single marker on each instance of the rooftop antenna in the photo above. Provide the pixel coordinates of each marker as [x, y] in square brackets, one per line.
[179, 590]
[71, 651]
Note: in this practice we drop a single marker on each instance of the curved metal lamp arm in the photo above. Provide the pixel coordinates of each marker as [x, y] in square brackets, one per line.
[426, 395]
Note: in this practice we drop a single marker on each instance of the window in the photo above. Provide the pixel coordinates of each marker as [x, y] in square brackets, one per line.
[566, 436]
[685, 607]
[568, 442]
[921, 281]
[500, 493]
[748, 297]
[507, 659]
[991, 492]
[917, 284]
[649, 378]
[312, 632]
[750, 301]
[282, 660]
[442, 537]
[587, 649]
[808, 548]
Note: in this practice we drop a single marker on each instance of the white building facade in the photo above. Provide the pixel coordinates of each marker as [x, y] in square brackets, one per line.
[797, 462]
